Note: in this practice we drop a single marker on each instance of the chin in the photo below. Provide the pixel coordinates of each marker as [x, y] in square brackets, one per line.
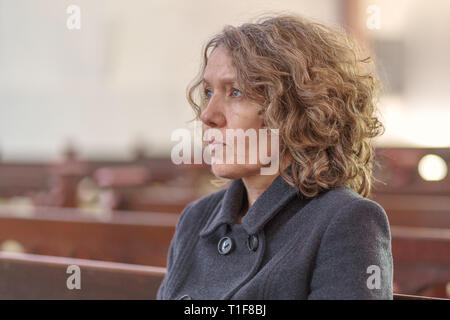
[235, 171]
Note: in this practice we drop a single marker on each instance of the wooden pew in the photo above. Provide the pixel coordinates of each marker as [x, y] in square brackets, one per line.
[421, 260]
[21, 179]
[159, 199]
[128, 188]
[28, 276]
[128, 237]
[131, 182]
[429, 211]
[161, 187]
[397, 168]
[398, 296]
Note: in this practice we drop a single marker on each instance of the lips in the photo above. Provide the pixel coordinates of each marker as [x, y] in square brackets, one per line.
[214, 144]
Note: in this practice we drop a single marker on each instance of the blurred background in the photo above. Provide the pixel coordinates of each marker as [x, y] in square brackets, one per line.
[86, 117]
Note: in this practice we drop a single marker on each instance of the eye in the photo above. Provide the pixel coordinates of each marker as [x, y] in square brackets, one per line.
[208, 93]
[236, 93]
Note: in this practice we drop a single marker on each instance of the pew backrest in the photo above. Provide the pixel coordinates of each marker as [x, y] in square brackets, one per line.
[128, 237]
[421, 260]
[28, 276]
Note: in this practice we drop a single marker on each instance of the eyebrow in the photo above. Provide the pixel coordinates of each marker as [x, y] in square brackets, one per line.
[226, 79]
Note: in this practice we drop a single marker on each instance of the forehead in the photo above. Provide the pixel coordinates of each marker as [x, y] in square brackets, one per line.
[219, 67]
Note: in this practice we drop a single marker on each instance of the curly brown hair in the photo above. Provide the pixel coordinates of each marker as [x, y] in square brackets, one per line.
[311, 85]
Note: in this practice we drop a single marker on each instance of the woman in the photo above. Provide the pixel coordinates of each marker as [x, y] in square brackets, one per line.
[307, 231]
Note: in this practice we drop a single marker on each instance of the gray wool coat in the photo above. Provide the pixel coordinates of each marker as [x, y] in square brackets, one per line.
[334, 246]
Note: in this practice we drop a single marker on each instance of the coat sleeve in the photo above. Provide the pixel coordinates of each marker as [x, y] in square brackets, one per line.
[354, 260]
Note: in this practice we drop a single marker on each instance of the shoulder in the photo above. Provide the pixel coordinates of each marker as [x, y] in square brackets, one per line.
[354, 238]
[191, 221]
[343, 205]
[198, 210]
[355, 222]
[207, 202]
[360, 212]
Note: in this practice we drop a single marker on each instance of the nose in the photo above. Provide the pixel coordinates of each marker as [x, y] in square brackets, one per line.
[213, 116]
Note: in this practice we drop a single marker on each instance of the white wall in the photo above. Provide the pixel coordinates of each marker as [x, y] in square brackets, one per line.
[120, 78]
[420, 116]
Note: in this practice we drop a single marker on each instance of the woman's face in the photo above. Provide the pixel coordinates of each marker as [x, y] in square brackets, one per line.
[227, 110]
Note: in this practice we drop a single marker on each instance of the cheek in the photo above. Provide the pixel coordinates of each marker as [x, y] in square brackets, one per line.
[244, 117]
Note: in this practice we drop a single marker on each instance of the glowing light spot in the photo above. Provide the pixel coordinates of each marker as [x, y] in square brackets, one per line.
[432, 168]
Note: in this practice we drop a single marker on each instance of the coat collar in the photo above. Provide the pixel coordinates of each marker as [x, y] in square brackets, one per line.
[268, 204]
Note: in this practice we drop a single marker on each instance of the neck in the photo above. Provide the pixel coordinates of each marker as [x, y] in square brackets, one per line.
[256, 185]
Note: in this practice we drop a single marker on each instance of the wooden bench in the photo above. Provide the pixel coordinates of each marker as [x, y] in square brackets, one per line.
[131, 182]
[21, 179]
[128, 237]
[28, 276]
[397, 168]
[421, 260]
[399, 296]
[425, 211]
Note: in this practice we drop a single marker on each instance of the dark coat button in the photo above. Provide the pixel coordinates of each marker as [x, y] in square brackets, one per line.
[225, 245]
[185, 297]
[252, 242]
